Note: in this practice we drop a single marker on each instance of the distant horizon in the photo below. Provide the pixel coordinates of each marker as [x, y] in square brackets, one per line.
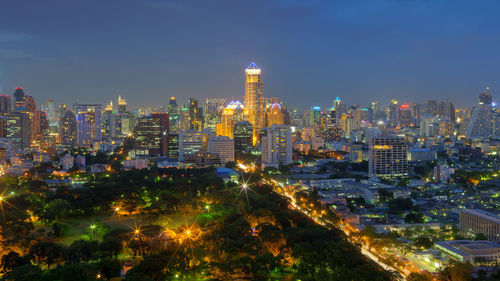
[184, 100]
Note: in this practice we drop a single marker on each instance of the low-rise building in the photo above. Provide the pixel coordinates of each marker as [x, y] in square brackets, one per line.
[475, 252]
[474, 222]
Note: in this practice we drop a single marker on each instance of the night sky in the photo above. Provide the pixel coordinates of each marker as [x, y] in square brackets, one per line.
[310, 51]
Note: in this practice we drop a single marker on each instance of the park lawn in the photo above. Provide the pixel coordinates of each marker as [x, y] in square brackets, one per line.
[79, 227]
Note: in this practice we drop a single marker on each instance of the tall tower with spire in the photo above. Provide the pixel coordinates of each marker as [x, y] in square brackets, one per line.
[254, 99]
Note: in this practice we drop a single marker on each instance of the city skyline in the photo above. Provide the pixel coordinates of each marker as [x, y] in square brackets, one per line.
[149, 51]
[324, 105]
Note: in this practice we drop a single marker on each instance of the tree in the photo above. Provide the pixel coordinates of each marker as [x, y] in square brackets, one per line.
[55, 209]
[25, 272]
[230, 165]
[45, 253]
[60, 229]
[109, 268]
[423, 242]
[111, 246]
[457, 272]
[399, 205]
[284, 169]
[81, 250]
[80, 271]
[414, 218]
[11, 260]
[480, 236]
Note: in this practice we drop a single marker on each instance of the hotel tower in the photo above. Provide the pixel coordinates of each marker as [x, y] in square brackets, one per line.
[254, 99]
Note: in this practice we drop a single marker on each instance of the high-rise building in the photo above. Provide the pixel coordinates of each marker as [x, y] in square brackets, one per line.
[482, 122]
[18, 129]
[276, 144]
[393, 114]
[474, 222]
[215, 106]
[173, 115]
[191, 142]
[122, 105]
[173, 146]
[446, 109]
[67, 129]
[433, 107]
[404, 116]
[222, 146]
[184, 121]
[314, 116]
[19, 100]
[388, 156]
[109, 122]
[254, 99]
[5, 104]
[195, 115]
[243, 136]
[164, 126]
[485, 97]
[230, 115]
[213, 110]
[88, 124]
[151, 136]
[275, 115]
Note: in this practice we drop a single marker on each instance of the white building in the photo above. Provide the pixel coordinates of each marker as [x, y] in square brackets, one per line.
[276, 145]
[223, 146]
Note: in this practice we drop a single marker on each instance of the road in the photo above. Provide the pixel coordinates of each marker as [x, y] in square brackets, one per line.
[306, 212]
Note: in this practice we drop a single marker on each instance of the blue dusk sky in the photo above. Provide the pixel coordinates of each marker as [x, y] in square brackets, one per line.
[310, 51]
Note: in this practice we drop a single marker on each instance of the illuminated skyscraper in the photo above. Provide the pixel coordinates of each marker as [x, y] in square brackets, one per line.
[67, 129]
[88, 124]
[151, 135]
[109, 121]
[314, 115]
[230, 115]
[215, 105]
[243, 136]
[276, 146]
[393, 114]
[404, 119]
[275, 115]
[184, 119]
[195, 115]
[17, 128]
[122, 105]
[213, 111]
[254, 99]
[173, 115]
